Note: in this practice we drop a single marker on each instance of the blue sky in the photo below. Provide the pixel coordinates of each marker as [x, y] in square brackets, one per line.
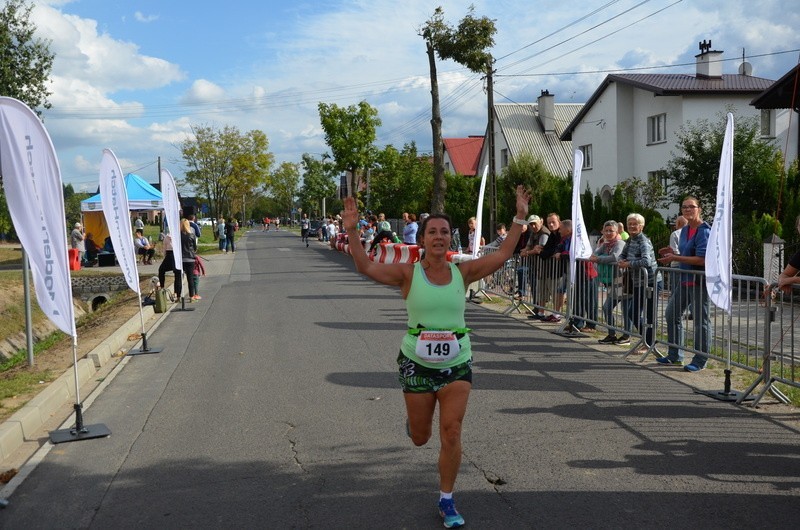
[136, 76]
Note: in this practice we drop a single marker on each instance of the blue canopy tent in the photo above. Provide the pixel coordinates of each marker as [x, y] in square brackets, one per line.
[141, 196]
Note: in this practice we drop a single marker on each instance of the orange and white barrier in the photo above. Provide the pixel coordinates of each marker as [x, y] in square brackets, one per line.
[396, 253]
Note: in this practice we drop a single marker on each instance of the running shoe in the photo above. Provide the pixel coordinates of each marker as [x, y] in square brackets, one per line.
[447, 509]
[691, 367]
[608, 339]
[197, 297]
[623, 340]
[553, 318]
[667, 360]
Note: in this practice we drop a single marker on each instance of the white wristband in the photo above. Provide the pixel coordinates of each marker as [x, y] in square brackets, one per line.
[522, 222]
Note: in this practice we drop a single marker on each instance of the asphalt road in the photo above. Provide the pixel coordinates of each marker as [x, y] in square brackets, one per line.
[275, 405]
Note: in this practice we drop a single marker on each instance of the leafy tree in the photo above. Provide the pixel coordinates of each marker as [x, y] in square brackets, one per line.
[404, 171]
[7, 231]
[462, 199]
[549, 193]
[26, 61]
[648, 193]
[25, 65]
[318, 183]
[467, 45]
[225, 164]
[284, 188]
[350, 132]
[72, 205]
[756, 165]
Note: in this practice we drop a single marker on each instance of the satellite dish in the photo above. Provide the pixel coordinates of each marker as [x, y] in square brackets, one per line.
[745, 68]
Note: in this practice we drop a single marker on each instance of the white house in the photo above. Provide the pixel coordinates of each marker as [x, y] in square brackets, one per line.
[780, 114]
[629, 126]
[534, 128]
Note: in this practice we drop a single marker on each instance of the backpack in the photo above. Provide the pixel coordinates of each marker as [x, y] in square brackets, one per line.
[162, 297]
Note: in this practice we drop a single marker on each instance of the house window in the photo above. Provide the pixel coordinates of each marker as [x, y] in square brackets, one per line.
[660, 177]
[447, 167]
[657, 129]
[768, 123]
[587, 156]
[503, 158]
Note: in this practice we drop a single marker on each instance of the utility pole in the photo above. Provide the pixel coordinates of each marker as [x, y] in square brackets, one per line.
[490, 144]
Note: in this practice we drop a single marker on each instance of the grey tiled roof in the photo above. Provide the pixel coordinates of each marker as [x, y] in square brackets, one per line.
[677, 84]
[522, 130]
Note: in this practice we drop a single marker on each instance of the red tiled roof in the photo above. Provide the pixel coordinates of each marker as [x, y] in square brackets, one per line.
[464, 153]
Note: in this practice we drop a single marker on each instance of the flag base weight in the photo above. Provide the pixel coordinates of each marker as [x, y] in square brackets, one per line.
[80, 431]
[145, 349]
[183, 306]
[726, 394]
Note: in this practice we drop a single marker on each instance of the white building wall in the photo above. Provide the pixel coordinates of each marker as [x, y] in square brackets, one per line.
[783, 119]
[598, 128]
[653, 157]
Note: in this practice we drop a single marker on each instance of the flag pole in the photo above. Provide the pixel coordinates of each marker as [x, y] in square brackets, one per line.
[719, 277]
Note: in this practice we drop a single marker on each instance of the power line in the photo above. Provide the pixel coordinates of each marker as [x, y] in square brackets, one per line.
[640, 68]
[562, 28]
[610, 34]
[520, 61]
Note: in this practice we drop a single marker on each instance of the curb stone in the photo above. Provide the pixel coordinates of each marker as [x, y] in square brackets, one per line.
[25, 424]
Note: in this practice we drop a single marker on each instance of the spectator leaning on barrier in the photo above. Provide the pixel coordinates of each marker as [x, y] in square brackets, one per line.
[561, 257]
[521, 267]
[537, 236]
[638, 256]
[472, 223]
[692, 289]
[788, 276]
[501, 236]
[585, 306]
[606, 255]
[410, 230]
[621, 230]
[549, 266]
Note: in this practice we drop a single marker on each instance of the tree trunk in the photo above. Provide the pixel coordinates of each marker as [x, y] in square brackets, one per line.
[439, 182]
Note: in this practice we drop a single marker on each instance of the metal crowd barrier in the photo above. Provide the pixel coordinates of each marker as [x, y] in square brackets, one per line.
[758, 336]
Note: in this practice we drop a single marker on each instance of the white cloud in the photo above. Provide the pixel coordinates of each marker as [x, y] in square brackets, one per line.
[203, 91]
[140, 17]
[108, 64]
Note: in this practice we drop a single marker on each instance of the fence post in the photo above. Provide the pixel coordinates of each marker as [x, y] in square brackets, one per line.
[773, 258]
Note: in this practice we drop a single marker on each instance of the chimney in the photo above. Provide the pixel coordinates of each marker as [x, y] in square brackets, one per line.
[709, 62]
[547, 107]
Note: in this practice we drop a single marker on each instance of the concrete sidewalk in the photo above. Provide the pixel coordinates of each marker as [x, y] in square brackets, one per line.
[26, 430]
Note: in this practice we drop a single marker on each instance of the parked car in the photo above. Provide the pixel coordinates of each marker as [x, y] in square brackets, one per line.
[313, 230]
[205, 221]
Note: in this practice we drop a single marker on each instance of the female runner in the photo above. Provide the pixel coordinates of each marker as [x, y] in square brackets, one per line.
[435, 356]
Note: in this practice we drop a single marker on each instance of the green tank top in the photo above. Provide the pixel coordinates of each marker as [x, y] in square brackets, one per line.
[436, 307]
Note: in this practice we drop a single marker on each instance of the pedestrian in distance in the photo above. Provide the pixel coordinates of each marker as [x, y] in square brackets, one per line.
[188, 253]
[230, 241]
[76, 240]
[305, 225]
[435, 360]
[223, 244]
